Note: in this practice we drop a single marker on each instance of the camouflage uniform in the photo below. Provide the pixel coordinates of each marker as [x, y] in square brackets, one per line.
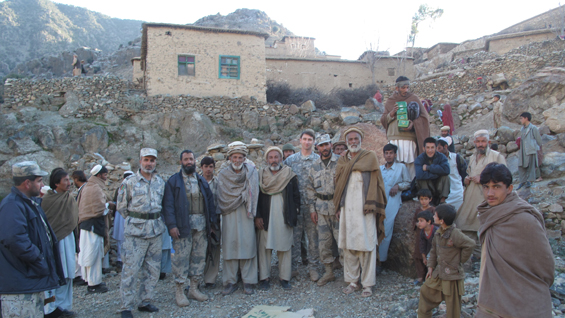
[22, 305]
[139, 202]
[213, 263]
[320, 190]
[301, 167]
[190, 251]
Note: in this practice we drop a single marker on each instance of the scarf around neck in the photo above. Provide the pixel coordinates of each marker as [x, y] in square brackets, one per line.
[61, 210]
[235, 189]
[272, 184]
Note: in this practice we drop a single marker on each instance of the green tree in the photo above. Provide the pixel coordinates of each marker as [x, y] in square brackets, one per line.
[424, 12]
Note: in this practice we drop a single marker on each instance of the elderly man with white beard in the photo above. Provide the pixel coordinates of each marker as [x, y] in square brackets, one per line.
[238, 193]
[277, 215]
[360, 202]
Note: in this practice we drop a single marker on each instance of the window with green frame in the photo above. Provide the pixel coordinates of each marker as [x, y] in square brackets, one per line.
[186, 65]
[229, 67]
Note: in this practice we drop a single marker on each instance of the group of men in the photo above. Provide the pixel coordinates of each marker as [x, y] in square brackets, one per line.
[340, 203]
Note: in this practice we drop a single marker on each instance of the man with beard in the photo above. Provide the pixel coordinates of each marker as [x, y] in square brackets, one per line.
[445, 134]
[238, 193]
[396, 179]
[140, 203]
[212, 268]
[300, 164]
[517, 268]
[339, 147]
[93, 224]
[188, 208]
[466, 219]
[360, 202]
[61, 210]
[288, 150]
[457, 174]
[277, 214]
[411, 139]
[432, 171]
[29, 253]
[321, 192]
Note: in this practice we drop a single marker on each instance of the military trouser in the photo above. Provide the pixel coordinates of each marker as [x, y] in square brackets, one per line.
[140, 256]
[328, 230]
[190, 256]
[22, 305]
[431, 298]
[305, 226]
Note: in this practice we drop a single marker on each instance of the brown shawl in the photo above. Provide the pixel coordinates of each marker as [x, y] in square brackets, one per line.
[272, 184]
[92, 199]
[421, 124]
[235, 189]
[375, 202]
[61, 210]
[517, 265]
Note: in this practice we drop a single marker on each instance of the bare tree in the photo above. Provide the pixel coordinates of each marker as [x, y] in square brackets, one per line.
[424, 12]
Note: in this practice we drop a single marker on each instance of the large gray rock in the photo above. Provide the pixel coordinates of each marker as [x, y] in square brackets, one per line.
[351, 120]
[46, 161]
[349, 112]
[505, 134]
[308, 107]
[95, 140]
[462, 109]
[475, 108]
[555, 118]
[553, 165]
[22, 144]
[403, 240]
[250, 119]
[72, 105]
[538, 93]
[511, 146]
[45, 137]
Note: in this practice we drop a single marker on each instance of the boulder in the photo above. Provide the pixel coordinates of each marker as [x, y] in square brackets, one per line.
[308, 107]
[462, 109]
[293, 110]
[555, 118]
[540, 92]
[250, 119]
[316, 122]
[45, 137]
[351, 120]
[45, 159]
[95, 140]
[475, 108]
[22, 144]
[72, 105]
[403, 240]
[505, 134]
[511, 146]
[349, 112]
[373, 117]
[553, 165]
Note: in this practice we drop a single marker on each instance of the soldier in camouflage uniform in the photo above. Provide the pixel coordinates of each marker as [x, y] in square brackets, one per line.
[139, 202]
[188, 208]
[300, 164]
[29, 254]
[321, 191]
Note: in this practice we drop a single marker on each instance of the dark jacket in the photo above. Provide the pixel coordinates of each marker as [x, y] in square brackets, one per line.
[175, 204]
[461, 168]
[425, 243]
[29, 262]
[291, 204]
[450, 249]
[437, 166]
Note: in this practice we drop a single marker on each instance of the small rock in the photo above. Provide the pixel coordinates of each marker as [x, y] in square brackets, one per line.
[555, 208]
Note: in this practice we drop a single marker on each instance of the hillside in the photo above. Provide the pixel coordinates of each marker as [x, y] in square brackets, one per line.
[32, 29]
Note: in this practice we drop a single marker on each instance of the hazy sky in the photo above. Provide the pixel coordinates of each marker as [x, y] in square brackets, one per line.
[345, 28]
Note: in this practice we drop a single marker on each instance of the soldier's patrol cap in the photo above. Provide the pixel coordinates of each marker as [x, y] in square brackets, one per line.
[146, 152]
[323, 139]
[288, 147]
[27, 169]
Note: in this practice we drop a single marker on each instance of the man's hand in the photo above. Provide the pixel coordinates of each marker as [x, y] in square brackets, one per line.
[393, 191]
[430, 271]
[425, 167]
[467, 180]
[174, 232]
[112, 206]
[314, 217]
[476, 179]
[259, 223]
[392, 113]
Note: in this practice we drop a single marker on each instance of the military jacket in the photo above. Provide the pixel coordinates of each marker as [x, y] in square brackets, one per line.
[321, 186]
[141, 196]
[300, 165]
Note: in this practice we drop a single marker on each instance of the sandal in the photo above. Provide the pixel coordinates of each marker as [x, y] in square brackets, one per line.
[351, 288]
[367, 292]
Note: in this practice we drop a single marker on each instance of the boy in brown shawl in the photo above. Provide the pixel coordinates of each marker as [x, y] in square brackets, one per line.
[517, 265]
[360, 202]
[410, 139]
[446, 278]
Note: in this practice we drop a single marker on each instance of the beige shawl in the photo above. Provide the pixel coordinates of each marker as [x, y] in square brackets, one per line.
[272, 184]
[61, 210]
[235, 189]
[517, 265]
[92, 199]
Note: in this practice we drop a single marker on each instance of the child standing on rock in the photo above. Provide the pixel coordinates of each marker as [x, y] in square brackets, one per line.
[427, 231]
[425, 197]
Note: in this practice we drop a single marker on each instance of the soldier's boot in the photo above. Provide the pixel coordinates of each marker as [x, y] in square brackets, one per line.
[194, 292]
[328, 275]
[181, 299]
[314, 276]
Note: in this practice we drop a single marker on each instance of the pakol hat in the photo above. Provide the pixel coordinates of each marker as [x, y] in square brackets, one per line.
[354, 129]
[445, 128]
[273, 148]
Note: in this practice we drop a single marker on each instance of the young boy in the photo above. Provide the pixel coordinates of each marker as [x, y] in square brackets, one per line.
[425, 197]
[427, 231]
[445, 279]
